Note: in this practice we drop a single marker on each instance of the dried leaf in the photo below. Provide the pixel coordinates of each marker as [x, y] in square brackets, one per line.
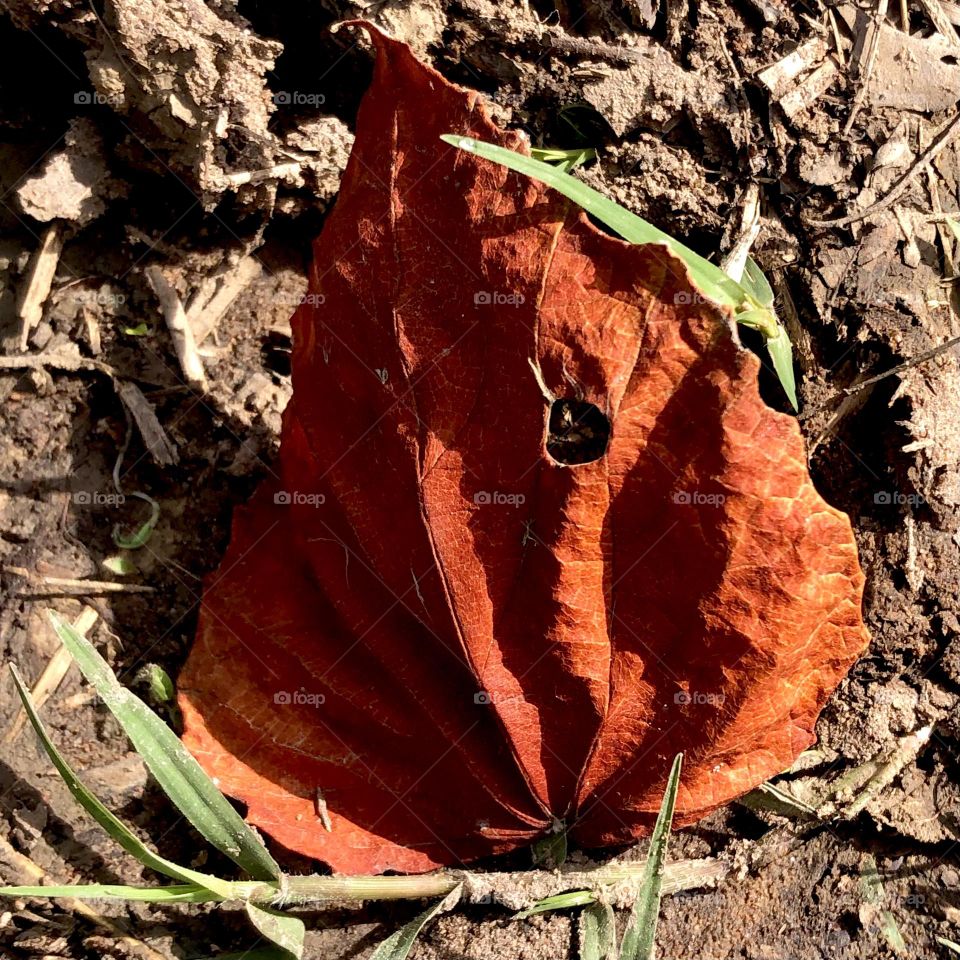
[456, 636]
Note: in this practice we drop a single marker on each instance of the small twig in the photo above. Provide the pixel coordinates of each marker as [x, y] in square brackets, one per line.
[180, 331]
[867, 62]
[72, 364]
[735, 260]
[584, 47]
[203, 314]
[946, 134]
[837, 36]
[276, 172]
[68, 586]
[43, 267]
[906, 365]
[155, 439]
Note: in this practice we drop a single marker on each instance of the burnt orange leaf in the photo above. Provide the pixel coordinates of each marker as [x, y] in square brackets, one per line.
[431, 639]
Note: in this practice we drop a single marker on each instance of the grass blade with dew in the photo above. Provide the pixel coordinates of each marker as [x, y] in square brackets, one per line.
[117, 830]
[640, 935]
[598, 932]
[707, 277]
[177, 772]
[398, 944]
[279, 928]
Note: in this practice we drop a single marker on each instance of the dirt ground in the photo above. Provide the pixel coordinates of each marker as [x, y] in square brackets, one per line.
[207, 138]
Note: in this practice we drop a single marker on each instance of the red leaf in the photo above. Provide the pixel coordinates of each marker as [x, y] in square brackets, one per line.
[474, 640]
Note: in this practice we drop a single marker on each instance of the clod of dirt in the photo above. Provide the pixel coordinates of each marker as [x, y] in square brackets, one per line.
[195, 79]
[910, 72]
[74, 183]
[654, 92]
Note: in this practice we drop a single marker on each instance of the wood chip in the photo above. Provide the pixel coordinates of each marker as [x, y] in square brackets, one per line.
[180, 331]
[810, 89]
[155, 439]
[43, 267]
[204, 313]
[53, 674]
[778, 77]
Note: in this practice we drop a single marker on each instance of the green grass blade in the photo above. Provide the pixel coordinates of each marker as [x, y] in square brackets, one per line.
[949, 944]
[781, 355]
[751, 297]
[279, 928]
[559, 901]
[144, 532]
[768, 796]
[639, 937]
[756, 284]
[116, 828]
[177, 772]
[707, 277]
[178, 893]
[598, 932]
[398, 944]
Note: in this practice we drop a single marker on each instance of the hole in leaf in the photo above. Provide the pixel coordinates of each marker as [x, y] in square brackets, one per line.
[578, 432]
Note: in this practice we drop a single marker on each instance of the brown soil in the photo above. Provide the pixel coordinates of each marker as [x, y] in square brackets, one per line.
[127, 121]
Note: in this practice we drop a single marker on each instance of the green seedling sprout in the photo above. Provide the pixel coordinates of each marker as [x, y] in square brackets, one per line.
[749, 297]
